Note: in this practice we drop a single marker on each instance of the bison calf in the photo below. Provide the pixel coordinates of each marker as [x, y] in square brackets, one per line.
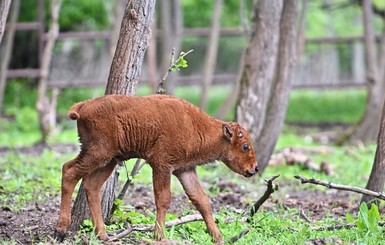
[172, 135]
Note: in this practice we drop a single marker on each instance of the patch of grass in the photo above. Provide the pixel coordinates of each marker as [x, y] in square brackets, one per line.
[26, 179]
[326, 106]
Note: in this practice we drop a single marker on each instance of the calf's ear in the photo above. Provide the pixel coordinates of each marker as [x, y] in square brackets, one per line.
[227, 132]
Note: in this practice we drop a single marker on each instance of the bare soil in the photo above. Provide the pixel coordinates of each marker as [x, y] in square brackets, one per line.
[35, 223]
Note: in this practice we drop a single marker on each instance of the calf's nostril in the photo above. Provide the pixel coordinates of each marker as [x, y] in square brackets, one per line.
[256, 169]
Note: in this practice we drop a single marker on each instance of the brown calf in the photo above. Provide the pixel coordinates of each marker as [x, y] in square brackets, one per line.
[172, 135]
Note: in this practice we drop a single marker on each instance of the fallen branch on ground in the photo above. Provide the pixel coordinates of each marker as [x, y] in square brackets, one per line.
[339, 227]
[254, 209]
[180, 221]
[304, 180]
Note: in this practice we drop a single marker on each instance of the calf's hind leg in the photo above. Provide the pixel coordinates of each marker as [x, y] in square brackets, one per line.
[92, 185]
[72, 172]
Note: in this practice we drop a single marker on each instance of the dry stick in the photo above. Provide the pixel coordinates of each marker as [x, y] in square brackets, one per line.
[269, 190]
[339, 227]
[180, 221]
[304, 180]
[160, 89]
[138, 165]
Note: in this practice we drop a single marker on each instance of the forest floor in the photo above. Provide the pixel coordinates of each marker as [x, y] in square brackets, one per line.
[36, 222]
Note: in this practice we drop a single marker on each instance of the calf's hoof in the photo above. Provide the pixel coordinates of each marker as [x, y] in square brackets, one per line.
[59, 236]
[104, 237]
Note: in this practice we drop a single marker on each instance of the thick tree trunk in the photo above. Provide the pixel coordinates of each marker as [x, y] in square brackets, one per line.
[4, 8]
[45, 110]
[277, 104]
[257, 73]
[123, 79]
[377, 176]
[266, 77]
[8, 45]
[211, 54]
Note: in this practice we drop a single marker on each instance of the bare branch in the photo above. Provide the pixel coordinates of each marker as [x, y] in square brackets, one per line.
[160, 89]
[270, 189]
[339, 227]
[240, 235]
[314, 181]
[180, 221]
[304, 216]
[138, 165]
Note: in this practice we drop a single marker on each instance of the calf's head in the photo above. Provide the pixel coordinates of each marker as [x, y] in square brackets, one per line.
[239, 153]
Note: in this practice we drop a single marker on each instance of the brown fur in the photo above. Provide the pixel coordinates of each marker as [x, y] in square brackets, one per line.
[172, 135]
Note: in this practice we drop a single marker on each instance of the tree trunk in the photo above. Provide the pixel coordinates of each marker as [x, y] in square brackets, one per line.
[367, 128]
[8, 44]
[171, 16]
[4, 8]
[47, 114]
[377, 176]
[123, 79]
[211, 54]
[267, 73]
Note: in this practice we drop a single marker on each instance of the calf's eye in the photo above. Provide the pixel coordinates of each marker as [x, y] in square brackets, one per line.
[245, 147]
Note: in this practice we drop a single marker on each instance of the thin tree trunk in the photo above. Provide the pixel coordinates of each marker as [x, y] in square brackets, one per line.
[211, 54]
[171, 16]
[151, 59]
[46, 115]
[229, 103]
[367, 128]
[8, 46]
[279, 99]
[4, 8]
[377, 175]
[123, 79]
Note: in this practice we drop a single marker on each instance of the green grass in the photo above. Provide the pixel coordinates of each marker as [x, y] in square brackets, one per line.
[326, 106]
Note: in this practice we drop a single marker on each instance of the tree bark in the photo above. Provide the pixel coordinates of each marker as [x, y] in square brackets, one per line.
[46, 113]
[123, 79]
[367, 128]
[4, 8]
[267, 73]
[377, 175]
[211, 54]
[8, 45]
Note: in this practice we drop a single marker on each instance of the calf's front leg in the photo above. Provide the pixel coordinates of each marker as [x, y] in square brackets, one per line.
[161, 182]
[191, 185]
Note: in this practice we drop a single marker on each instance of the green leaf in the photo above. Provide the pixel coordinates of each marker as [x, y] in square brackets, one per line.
[349, 218]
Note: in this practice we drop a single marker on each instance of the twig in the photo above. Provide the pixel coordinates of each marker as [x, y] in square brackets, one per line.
[138, 165]
[180, 221]
[160, 89]
[304, 216]
[304, 180]
[270, 189]
[339, 227]
[240, 235]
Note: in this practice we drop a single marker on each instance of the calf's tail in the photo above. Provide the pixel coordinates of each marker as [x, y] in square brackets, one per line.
[73, 113]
